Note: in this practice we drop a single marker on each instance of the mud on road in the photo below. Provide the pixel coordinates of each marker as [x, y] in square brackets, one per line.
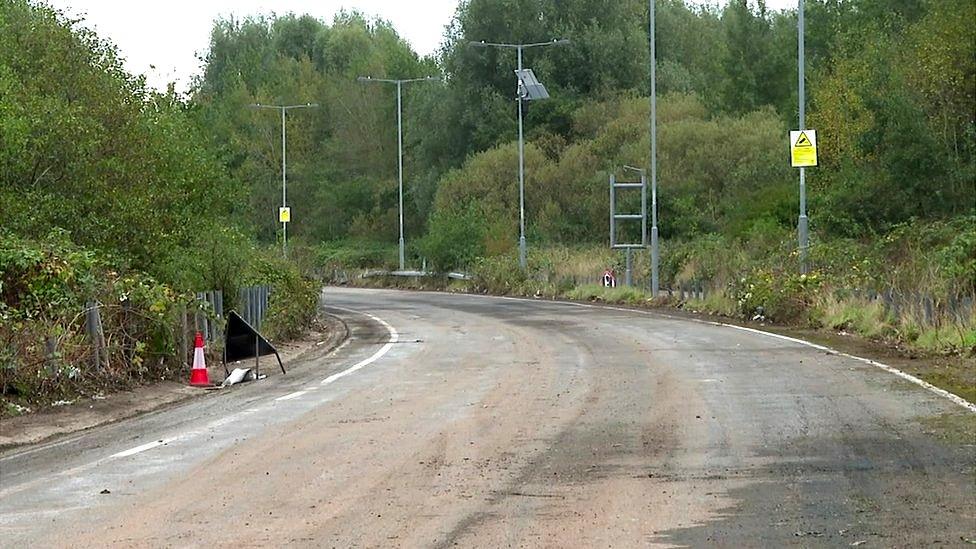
[480, 422]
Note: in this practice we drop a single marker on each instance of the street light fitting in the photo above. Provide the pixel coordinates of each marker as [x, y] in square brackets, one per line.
[399, 92]
[553, 42]
[284, 163]
[395, 81]
[282, 107]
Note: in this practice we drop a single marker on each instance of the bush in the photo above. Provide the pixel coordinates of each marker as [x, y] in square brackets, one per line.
[455, 240]
[780, 297]
[45, 352]
[294, 297]
[356, 254]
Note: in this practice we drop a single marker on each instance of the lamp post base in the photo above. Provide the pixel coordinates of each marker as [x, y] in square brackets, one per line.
[523, 262]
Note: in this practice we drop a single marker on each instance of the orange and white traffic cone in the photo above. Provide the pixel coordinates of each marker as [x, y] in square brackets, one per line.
[198, 375]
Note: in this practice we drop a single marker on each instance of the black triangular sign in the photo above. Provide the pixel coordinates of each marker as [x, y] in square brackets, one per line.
[243, 341]
[803, 141]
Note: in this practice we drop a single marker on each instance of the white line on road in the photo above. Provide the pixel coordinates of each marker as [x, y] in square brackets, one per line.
[290, 396]
[75, 471]
[890, 369]
[394, 337]
[138, 449]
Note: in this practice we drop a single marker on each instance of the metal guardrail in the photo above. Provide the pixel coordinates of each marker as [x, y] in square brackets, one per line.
[253, 301]
[252, 305]
[411, 274]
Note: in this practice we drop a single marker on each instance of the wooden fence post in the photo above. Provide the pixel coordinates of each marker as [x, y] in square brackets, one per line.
[93, 321]
[184, 347]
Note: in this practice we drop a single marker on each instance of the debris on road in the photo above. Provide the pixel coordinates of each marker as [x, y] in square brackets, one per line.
[239, 375]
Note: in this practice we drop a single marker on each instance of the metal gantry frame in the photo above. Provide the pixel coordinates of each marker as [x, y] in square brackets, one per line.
[614, 217]
[655, 251]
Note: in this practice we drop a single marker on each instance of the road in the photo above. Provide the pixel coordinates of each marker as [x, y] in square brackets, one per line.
[470, 421]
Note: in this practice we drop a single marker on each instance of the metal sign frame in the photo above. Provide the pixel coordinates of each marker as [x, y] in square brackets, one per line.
[614, 216]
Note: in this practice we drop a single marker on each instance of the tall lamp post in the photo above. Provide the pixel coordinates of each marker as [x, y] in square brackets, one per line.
[528, 88]
[655, 255]
[399, 89]
[802, 227]
[284, 165]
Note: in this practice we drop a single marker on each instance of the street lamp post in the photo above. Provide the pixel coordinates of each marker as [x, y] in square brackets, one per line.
[284, 165]
[523, 263]
[802, 227]
[399, 88]
[655, 252]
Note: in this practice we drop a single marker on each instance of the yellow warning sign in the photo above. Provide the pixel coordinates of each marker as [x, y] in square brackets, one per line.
[284, 215]
[803, 148]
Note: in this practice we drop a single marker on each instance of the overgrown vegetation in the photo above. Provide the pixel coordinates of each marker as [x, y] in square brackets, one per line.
[180, 192]
[112, 196]
[46, 353]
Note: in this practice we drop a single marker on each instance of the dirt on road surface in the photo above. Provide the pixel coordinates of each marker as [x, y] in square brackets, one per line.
[456, 420]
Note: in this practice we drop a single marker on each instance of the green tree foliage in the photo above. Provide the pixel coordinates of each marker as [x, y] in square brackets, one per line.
[896, 109]
[891, 92]
[86, 148]
[114, 195]
[717, 174]
[341, 157]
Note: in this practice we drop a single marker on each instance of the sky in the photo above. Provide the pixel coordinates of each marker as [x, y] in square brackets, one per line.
[163, 40]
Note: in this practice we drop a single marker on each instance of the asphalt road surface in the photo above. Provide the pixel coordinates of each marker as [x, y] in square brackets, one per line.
[452, 420]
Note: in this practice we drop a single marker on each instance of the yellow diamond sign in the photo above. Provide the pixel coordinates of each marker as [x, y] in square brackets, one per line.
[284, 215]
[803, 148]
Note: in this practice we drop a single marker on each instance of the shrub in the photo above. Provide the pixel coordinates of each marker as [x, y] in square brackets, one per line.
[780, 297]
[45, 351]
[356, 254]
[455, 240]
[294, 297]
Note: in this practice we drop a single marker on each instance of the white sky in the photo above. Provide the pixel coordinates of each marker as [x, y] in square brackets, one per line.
[170, 35]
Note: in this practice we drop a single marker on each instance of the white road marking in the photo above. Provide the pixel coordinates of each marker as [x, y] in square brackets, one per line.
[139, 449]
[394, 337]
[74, 471]
[890, 369]
[290, 396]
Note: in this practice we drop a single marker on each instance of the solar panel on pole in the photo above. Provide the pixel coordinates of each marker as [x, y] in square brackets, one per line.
[531, 88]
